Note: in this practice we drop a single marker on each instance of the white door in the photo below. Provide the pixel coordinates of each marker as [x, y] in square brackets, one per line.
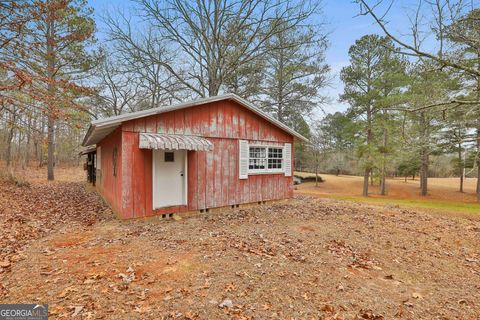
[169, 178]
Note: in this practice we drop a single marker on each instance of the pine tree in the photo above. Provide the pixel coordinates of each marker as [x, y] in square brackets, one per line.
[373, 83]
[295, 72]
[54, 49]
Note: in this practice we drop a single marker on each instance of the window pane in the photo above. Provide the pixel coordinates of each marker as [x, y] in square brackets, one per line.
[258, 152]
[256, 164]
[169, 157]
[276, 153]
[274, 163]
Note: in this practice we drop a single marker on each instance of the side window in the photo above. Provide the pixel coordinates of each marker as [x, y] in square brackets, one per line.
[257, 158]
[265, 159]
[275, 158]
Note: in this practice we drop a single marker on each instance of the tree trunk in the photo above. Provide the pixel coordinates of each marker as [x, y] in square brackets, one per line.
[51, 147]
[26, 156]
[365, 182]
[460, 166]
[11, 133]
[51, 92]
[478, 136]
[383, 186]
[424, 174]
[316, 174]
[9, 147]
[424, 155]
[478, 164]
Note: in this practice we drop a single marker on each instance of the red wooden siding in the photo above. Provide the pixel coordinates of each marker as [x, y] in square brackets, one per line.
[110, 186]
[212, 176]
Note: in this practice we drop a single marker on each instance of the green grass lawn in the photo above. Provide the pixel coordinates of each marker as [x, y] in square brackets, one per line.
[446, 206]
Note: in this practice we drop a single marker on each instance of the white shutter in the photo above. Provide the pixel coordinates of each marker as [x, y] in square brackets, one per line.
[288, 159]
[98, 159]
[243, 159]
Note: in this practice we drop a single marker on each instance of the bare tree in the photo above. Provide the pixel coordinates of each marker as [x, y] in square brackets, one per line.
[118, 92]
[203, 35]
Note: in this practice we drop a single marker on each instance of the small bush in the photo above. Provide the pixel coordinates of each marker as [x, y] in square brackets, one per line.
[309, 178]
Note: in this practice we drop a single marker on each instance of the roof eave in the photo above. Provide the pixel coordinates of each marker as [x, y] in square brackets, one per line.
[87, 135]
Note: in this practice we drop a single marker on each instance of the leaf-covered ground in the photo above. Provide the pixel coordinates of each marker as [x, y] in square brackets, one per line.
[307, 258]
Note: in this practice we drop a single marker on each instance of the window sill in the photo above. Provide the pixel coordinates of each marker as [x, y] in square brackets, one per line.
[253, 173]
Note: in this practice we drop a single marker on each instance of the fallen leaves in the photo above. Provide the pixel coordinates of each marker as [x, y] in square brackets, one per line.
[369, 315]
[328, 308]
[356, 260]
[30, 213]
[229, 287]
[303, 259]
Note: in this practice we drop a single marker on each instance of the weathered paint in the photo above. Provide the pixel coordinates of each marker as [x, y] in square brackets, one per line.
[212, 176]
[107, 184]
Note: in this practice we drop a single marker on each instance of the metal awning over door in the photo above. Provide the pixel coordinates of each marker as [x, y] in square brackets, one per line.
[160, 141]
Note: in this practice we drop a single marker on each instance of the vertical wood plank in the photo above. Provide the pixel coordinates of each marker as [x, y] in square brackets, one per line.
[179, 116]
[255, 126]
[252, 188]
[212, 119]
[204, 118]
[192, 180]
[196, 121]
[148, 183]
[232, 182]
[201, 185]
[127, 166]
[127, 126]
[169, 122]
[161, 125]
[151, 124]
[220, 119]
[225, 172]
[188, 121]
[139, 125]
[217, 154]
[259, 188]
[138, 179]
[210, 176]
[235, 121]
[228, 120]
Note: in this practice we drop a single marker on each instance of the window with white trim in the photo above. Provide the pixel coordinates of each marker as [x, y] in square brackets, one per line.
[265, 159]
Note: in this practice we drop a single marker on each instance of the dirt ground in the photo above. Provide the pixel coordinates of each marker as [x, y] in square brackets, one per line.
[306, 258]
[443, 189]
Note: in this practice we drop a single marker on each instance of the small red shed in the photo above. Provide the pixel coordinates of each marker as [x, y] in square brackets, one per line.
[208, 153]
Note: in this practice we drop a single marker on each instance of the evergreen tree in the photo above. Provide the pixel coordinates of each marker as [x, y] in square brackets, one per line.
[54, 49]
[373, 83]
[294, 73]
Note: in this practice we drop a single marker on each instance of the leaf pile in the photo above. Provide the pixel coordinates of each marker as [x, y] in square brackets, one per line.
[29, 213]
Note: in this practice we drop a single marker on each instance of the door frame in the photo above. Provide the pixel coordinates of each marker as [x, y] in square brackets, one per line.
[185, 177]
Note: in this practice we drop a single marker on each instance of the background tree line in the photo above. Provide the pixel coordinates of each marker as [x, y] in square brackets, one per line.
[56, 77]
[413, 101]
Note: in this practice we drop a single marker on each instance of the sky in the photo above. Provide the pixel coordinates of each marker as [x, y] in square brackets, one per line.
[343, 25]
